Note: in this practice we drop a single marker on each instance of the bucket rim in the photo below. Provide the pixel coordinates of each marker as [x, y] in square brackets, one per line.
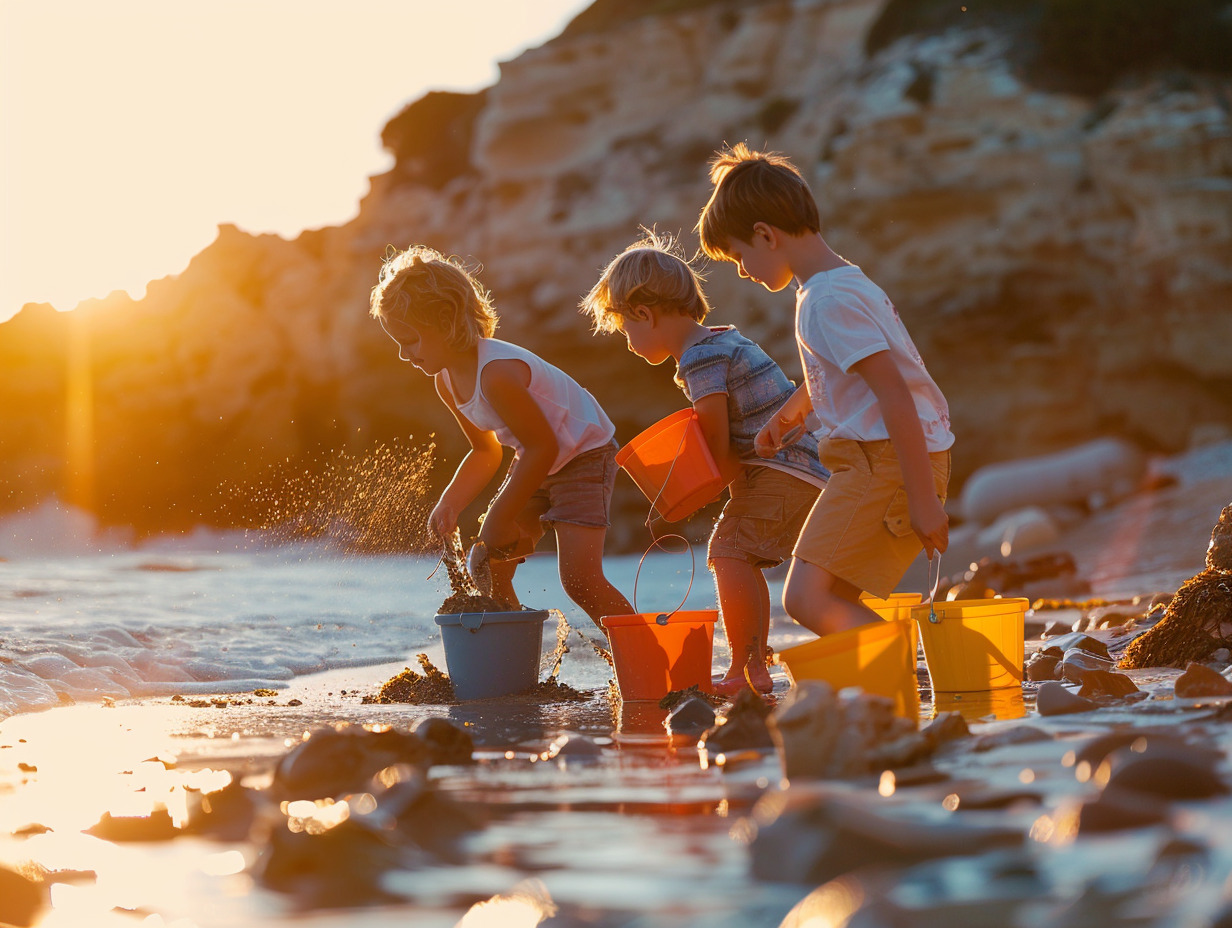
[959, 609]
[523, 615]
[680, 617]
[826, 645]
[626, 452]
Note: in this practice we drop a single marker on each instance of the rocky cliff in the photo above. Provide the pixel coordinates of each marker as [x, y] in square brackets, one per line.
[1061, 251]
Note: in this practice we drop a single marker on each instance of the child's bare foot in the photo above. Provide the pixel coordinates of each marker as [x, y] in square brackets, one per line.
[731, 685]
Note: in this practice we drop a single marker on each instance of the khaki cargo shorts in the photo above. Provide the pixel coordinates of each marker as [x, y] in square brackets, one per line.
[860, 530]
[763, 518]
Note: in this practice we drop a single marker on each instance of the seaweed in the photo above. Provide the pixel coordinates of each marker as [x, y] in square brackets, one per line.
[1198, 620]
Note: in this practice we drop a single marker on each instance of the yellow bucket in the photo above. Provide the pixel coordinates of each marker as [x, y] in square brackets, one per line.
[878, 657]
[974, 644]
[896, 606]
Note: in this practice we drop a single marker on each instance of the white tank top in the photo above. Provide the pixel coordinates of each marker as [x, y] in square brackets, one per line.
[577, 420]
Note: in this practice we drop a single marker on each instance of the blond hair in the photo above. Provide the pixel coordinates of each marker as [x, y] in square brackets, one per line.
[422, 287]
[650, 272]
[752, 187]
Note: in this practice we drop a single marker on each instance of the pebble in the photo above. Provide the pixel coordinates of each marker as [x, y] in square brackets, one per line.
[690, 718]
[447, 743]
[1200, 680]
[1077, 664]
[1106, 683]
[1042, 667]
[1063, 643]
[1169, 772]
[1055, 699]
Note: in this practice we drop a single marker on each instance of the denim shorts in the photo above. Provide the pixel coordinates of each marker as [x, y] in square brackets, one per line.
[580, 493]
[763, 518]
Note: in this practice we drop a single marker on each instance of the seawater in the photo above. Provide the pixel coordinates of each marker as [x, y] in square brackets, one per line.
[85, 617]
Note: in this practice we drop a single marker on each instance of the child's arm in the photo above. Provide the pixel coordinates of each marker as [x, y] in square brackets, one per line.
[716, 427]
[473, 474]
[928, 517]
[505, 384]
[788, 420]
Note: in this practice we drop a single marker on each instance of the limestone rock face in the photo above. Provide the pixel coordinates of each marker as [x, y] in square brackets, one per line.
[1062, 261]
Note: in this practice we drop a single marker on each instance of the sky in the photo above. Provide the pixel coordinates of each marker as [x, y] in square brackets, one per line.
[130, 129]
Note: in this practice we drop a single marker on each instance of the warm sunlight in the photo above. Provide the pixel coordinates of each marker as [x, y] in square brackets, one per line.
[130, 130]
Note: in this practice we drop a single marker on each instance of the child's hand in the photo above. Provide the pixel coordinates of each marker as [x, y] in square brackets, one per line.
[443, 519]
[777, 434]
[931, 525]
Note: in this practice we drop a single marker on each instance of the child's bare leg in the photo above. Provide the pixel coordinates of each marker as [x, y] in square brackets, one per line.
[822, 602]
[580, 557]
[744, 601]
[502, 582]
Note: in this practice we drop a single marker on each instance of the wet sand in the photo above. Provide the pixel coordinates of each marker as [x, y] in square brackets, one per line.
[634, 831]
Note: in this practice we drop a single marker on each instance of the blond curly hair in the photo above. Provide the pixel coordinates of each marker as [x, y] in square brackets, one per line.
[423, 287]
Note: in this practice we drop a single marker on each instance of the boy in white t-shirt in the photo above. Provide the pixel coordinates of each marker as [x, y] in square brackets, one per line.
[564, 463]
[885, 423]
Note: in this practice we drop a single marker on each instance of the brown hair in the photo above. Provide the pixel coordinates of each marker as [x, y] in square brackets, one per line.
[751, 187]
[650, 272]
[423, 287]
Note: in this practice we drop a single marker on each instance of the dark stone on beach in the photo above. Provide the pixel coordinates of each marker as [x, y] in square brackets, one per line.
[1087, 643]
[1077, 663]
[812, 842]
[446, 742]
[1042, 667]
[335, 761]
[690, 718]
[1056, 699]
[743, 727]
[1018, 734]
[21, 900]
[342, 866]
[1170, 772]
[1106, 683]
[422, 814]
[1199, 680]
[946, 727]
[157, 826]
[1114, 810]
[572, 748]
[226, 814]
[1095, 750]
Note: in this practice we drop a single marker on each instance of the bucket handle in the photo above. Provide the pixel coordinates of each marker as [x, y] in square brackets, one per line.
[932, 589]
[662, 617]
[471, 621]
[654, 503]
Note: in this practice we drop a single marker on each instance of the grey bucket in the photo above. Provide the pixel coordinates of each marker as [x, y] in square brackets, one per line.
[490, 654]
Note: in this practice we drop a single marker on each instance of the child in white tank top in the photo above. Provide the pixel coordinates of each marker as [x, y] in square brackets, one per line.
[563, 467]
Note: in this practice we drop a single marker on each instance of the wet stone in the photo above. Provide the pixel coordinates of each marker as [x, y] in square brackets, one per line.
[227, 814]
[446, 742]
[1138, 740]
[572, 748]
[1106, 683]
[1019, 734]
[1042, 667]
[690, 718]
[1079, 640]
[946, 727]
[157, 826]
[1200, 680]
[1077, 663]
[1055, 699]
[336, 761]
[1169, 772]
[1114, 810]
[342, 866]
[743, 727]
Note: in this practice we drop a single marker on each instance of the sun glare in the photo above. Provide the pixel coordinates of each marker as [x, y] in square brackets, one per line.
[129, 131]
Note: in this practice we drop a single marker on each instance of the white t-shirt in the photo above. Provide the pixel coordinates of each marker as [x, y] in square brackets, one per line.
[577, 420]
[843, 317]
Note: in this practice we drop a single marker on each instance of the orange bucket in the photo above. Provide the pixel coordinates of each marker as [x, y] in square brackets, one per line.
[656, 653]
[878, 657]
[672, 465]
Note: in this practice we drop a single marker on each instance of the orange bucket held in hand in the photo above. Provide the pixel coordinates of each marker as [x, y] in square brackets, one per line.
[671, 463]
